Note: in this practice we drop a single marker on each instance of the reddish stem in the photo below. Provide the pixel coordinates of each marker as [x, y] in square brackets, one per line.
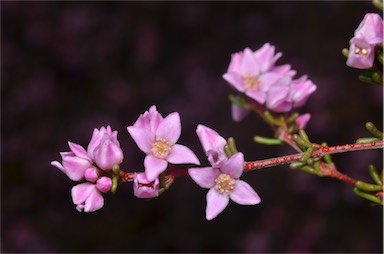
[325, 170]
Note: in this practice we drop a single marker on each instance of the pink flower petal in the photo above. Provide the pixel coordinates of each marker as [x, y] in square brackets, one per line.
[234, 166]
[235, 80]
[75, 167]
[144, 138]
[154, 167]
[58, 165]
[248, 65]
[257, 95]
[244, 194]
[155, 118]
[267, 80]
[209, 138]
[94, 202]
[81, 192]
[180, 154]
[204, 177]
[79, 151]
[170, 128]
[216, 203]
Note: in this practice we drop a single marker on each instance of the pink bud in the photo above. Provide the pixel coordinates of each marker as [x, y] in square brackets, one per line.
[86, 197]
[302, 120]
[238, 113]
[91, 174]
[104, 184]
[145, 189]
[108, 153]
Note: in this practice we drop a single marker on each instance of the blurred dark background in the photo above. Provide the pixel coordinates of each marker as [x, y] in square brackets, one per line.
[69, 67]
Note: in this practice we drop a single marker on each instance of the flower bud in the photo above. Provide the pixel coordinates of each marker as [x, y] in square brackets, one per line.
[104, 184]
[91, 174]
[145, 189]
[108, 153]
[302, 120]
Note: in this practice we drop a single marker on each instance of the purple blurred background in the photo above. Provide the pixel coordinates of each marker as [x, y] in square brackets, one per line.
[68, 67]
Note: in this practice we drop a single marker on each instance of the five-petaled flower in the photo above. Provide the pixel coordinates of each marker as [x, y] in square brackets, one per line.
[253, 73]
[224, 184]
[157, 137]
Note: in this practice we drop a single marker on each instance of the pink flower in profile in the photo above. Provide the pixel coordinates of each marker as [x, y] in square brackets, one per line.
[75, 162]
[253, 73]
[145, 189]
[368, 34]
[104, 148]
[213, 145]
[361, 54]
[224, 184]
[160, 146]
[87, 197]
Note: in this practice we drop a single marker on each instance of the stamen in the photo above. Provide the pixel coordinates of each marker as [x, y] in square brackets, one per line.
[361, 51]
[161, 148]
[225, 183]
[251, 83]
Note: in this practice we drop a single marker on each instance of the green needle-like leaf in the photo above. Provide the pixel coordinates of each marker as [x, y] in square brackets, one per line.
[367, 196]
[267, 141]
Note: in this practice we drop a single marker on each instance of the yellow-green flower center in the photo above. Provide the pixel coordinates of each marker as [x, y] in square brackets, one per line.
[251, 83]
[161, 148]
[225, 183]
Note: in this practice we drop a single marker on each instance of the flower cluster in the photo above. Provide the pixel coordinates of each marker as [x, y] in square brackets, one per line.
[265, 87]
[94, 165]
[367, 36]
[256, 75]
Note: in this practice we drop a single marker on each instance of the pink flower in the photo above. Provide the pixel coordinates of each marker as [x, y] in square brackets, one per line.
[104, 148]
[253, 73]
[302, 120]
[160, 146]
[361, 54]
[224, 184]
[87, 197]
[75, 162]
[143, 188]
[213, 145]
[368, 34]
